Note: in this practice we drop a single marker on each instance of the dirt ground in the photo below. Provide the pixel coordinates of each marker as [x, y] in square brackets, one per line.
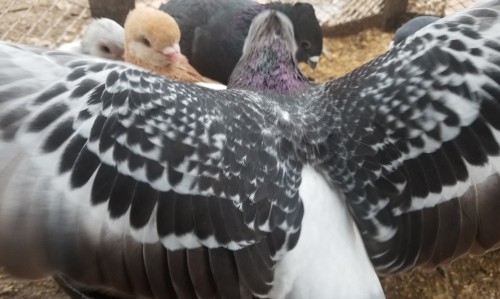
[477, 277]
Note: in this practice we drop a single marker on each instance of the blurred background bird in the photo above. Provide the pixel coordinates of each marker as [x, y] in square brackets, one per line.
[411, 27]
[152, 42]
[213, 32]
[102, 38]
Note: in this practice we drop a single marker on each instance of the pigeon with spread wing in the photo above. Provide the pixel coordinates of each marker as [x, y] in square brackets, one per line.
[134, 184]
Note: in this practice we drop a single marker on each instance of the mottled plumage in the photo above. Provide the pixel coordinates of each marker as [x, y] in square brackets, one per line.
[213, 32]
[124, 180]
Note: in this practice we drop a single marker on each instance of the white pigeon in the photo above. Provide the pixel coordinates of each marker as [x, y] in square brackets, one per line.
[130, 183]
[102, 38]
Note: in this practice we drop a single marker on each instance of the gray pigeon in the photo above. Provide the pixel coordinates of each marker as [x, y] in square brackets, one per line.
[122, 180]
[268, 62]
[213, 32]
[411, 27]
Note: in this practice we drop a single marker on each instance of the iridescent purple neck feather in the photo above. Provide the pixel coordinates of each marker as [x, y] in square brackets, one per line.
[268, 62]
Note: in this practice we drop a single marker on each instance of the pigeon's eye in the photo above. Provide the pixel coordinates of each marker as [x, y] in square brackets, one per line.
[146, 42]
[105, 49]
[305, 44]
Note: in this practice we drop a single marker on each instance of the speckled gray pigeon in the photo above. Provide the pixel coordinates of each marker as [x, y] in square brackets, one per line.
[125, 181]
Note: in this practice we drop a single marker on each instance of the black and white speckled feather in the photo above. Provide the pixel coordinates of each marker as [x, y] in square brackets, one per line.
[422, 152]
[120, 179]
[155, 160]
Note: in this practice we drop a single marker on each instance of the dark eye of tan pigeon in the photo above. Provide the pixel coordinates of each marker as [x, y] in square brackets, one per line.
[146, 42]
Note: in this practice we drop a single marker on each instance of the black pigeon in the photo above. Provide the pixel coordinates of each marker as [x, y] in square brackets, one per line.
[213, 32]
[126, 181]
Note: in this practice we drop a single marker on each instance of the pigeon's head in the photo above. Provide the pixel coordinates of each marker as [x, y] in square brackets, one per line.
[152, 37]
[308, 33]
[268, 60]
[103, 38]
[411, 27]
[270, 28]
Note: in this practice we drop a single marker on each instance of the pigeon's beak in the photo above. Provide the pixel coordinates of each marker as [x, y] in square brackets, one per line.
[391, 45]
[313, 61]
[172, 52]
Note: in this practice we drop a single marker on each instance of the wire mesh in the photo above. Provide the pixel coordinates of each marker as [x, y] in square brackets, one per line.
[42, 22]
[53, 22]
[337, 12]
[46, 23]
[437, 7]
[428, 7]
[456, 5]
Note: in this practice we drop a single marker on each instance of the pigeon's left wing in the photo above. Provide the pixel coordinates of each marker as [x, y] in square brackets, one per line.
[417, 148]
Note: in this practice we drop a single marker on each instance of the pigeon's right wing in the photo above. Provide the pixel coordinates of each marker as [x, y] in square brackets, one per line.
[416, 148]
